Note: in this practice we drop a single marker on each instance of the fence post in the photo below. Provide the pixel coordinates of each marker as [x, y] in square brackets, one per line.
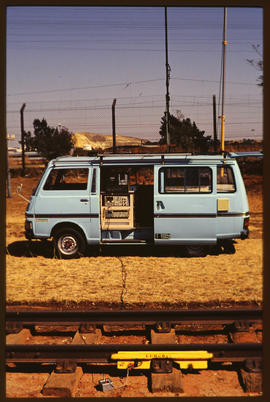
[22, 138]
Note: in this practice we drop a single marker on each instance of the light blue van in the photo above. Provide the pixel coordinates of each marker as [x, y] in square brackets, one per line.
[166, 199]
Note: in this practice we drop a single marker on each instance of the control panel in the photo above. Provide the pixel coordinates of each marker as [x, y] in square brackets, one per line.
[115, 200]
[117, 211]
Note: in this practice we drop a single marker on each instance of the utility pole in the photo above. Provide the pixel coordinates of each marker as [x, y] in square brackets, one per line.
[215, 123]
[113, 126]
[22, 139]
[223, 80]
[168, 69]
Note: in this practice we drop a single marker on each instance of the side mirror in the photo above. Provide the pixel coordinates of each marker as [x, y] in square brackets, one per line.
[18, 191]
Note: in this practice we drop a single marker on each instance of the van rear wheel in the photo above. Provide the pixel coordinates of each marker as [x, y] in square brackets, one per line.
[69, 243]
[228, 247]
[195, 251]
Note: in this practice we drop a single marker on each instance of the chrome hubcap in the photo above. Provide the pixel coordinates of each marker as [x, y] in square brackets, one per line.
[67, 245]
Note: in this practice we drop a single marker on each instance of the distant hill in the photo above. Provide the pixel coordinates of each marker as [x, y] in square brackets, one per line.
[104, 141]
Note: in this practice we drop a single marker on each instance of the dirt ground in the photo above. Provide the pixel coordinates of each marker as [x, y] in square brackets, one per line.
[208, 383]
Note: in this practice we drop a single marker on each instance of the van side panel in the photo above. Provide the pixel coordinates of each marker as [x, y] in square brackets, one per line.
[184, 218]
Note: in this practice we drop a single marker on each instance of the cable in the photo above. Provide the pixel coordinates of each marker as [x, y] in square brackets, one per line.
[125, 383]
[86, 87]
[124, 84]
[119, 386]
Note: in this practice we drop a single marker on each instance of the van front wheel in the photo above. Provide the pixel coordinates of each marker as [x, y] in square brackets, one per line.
[69, 243]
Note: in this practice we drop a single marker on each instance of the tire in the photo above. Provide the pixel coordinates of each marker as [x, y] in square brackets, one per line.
[69, 243]
[229, 247]
[195, 251]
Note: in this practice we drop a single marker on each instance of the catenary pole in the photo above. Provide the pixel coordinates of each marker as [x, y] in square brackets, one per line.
[167, 82]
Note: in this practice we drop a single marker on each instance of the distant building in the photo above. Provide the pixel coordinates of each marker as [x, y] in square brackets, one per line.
[87, 147]
[14, 149]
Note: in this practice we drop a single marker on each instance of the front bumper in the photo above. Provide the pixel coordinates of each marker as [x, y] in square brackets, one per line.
[29, 234]
[28, 230]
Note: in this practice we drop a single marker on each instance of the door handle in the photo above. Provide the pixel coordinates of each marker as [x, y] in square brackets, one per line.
[84, 200]
[160, 205]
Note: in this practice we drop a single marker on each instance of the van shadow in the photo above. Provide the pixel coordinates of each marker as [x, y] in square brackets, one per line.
[44, 248]
[31, 249]
[142, 251]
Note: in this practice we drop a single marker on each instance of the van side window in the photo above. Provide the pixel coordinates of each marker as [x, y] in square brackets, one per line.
[225, 180]
[186, 180]
[67, 179]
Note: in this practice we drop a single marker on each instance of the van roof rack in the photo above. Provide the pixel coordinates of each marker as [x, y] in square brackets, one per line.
[139, 159]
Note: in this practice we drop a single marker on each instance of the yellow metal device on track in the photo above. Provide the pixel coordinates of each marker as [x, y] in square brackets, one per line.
[142, 360]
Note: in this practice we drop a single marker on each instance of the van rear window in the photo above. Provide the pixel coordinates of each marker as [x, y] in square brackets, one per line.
[67, 179]
[185, 180]
[225, 180]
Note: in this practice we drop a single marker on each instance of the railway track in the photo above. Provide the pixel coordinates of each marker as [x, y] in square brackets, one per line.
[168, 343]
[151, 317]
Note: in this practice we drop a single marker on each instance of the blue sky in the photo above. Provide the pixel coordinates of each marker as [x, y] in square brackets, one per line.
[69, 63]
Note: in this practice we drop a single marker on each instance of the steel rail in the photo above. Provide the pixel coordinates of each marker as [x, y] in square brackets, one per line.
[145, 317]
[102, 353]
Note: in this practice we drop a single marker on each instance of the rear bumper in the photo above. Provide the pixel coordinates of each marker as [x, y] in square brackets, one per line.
[244, 234]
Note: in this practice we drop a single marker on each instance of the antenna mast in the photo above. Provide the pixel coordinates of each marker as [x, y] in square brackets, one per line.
[223, 79]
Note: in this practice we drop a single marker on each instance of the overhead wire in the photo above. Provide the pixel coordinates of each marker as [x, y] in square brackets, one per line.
[124, 83]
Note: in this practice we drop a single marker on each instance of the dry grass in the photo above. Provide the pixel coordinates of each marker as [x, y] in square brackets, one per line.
[148, 279]
[254, 186]
[255, 203]
[132, 279]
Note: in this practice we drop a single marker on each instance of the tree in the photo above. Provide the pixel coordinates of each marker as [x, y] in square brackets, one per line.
[185, 134]
[29, 142]
[258, 64]
[48, 141]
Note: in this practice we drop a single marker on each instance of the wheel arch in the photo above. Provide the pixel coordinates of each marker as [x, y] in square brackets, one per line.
[71, 225]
